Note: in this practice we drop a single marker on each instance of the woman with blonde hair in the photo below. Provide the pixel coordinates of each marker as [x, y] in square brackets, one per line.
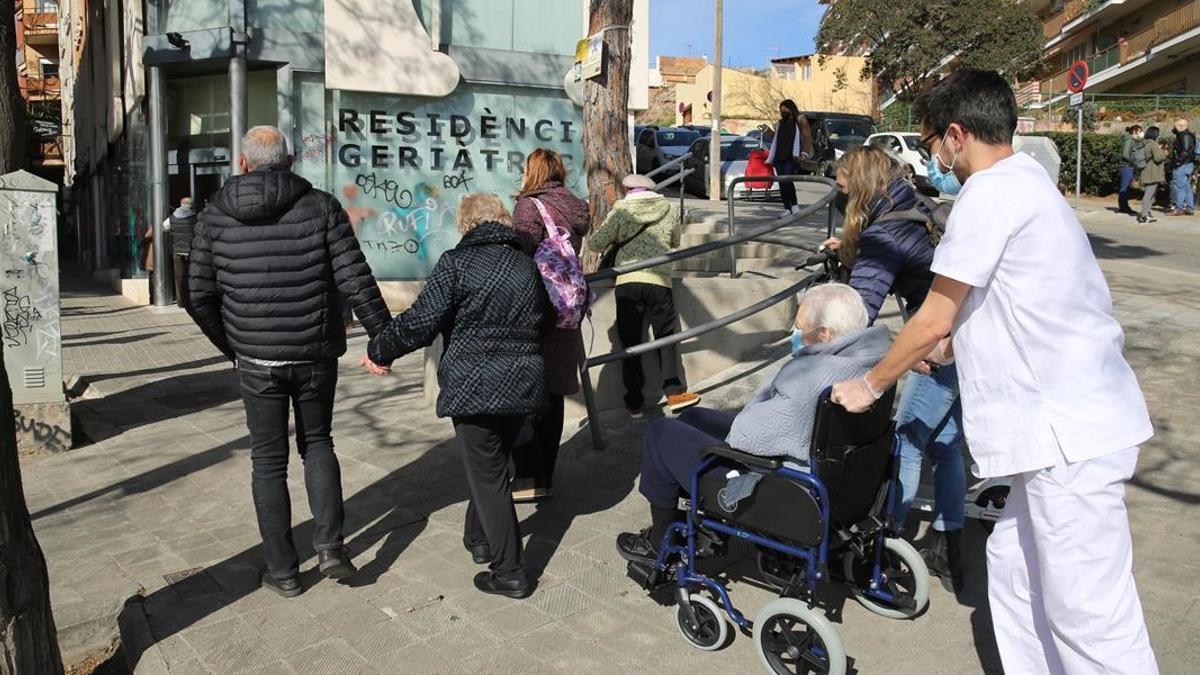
[888, 252]
[544, 197]
[486, 299]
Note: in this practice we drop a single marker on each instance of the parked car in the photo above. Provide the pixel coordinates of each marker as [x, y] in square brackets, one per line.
[647, 157]
[905, 148]
[763, 135]
[701, 129]
[735, 156]
[833, 134]
[674, 142]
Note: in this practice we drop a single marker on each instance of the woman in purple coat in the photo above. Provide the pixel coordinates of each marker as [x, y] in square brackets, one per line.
[562, 349]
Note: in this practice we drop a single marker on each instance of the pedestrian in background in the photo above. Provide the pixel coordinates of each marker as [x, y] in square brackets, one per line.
[1152, 175]
[1048, 398]
[791, 145]
[887, 244]
[486, 299]
[642, 225]
[182, 227]
[269, 258]
[1183, 163]
[1126, 169]
[562, 348]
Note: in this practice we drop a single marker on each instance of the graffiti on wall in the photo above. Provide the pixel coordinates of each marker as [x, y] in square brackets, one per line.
[29, 307]
[401, 164]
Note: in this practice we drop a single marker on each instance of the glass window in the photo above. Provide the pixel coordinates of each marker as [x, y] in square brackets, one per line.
[673, 137]
[844, 134]
[732, 151]
[912, 141]
[177, 16]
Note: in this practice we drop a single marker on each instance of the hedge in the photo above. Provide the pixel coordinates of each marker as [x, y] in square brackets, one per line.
[1101, 157]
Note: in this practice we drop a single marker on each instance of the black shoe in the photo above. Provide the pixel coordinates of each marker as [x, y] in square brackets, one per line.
[335, 563]
[481, 554]
[944, 560]
[637, 547]
[517, 588]
[288, 588]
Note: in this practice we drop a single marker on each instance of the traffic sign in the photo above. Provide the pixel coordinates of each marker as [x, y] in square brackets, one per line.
[1076, 99]
[1077, 76]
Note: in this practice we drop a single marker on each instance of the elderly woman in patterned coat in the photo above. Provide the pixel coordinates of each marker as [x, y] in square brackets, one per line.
[562, 348]
[486, 299]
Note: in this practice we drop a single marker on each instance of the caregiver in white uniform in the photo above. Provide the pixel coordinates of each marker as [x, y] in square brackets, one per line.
[1047, 395]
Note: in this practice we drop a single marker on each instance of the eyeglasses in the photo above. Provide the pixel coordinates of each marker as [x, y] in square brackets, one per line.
[926, 142]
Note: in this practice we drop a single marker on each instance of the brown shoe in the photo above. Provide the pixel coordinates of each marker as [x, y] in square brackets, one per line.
[677, 402]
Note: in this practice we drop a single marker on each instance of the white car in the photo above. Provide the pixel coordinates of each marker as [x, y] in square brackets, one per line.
[905, 147]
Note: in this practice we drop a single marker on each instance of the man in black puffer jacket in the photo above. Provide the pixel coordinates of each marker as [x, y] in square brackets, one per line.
[268, 260]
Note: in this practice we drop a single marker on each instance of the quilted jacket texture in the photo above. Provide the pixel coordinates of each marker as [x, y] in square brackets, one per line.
[562, 348]
[893, 255]
[628, 216]
[486, 299]
[271, 260]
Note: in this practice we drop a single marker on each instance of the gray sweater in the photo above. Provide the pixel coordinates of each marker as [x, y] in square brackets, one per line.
[779, 419]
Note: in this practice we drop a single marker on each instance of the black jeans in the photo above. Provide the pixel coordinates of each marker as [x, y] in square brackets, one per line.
[269, 393]
[180, 263]
[537, 450]
[787, 190]
[487, 442]
[637, 302]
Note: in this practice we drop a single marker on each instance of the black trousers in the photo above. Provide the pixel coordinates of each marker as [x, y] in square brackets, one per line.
[636, 303]
[787, 190]
[537, 450]
[180, 264]
[268, 393]
[487, 442]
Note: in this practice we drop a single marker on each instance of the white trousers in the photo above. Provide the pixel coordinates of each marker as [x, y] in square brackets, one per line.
[1060, 579]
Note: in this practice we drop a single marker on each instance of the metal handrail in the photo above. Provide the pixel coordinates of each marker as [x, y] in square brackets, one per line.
[826, 201]
[772, 179]
[677, 160]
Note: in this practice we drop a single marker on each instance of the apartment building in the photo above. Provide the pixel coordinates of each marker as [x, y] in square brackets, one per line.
[37, 76]
[1131, 46]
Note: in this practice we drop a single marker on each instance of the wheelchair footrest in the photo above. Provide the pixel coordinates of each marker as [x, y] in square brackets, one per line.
[646, 575]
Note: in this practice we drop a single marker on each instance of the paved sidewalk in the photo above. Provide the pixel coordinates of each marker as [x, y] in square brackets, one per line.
[159, 506]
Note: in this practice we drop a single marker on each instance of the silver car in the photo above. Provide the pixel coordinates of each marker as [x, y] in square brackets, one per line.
[735, 156]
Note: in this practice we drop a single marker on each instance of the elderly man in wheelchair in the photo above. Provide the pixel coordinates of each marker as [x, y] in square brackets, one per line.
[799, 478]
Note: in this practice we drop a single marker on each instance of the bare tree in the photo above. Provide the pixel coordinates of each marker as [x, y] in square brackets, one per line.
[28, 639]
[756, 99]
[606, 107]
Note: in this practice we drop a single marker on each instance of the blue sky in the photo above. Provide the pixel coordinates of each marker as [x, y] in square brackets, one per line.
[755, 30]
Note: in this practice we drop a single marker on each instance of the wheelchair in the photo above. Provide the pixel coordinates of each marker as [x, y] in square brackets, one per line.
[797, 523]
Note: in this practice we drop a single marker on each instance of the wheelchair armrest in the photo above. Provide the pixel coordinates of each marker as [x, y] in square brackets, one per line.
[724, 450]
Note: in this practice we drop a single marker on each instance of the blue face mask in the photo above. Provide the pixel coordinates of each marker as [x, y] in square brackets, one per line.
[943, 181]
[797, 340]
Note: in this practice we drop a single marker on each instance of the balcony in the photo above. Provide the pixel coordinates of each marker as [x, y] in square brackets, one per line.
[1071, 10]
[1168, 26]
[40, 20]
[1098, 63]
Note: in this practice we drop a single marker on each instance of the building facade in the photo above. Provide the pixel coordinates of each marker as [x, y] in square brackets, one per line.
[751, 99]
[1131, 46]
[396, 108]
[38, 78]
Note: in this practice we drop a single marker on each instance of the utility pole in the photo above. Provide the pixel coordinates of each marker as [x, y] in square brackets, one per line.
[714, 144]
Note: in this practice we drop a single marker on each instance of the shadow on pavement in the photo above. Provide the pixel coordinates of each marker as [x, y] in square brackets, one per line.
[1110, 249]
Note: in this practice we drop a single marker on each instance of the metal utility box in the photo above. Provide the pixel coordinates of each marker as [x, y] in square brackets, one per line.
[32, 327]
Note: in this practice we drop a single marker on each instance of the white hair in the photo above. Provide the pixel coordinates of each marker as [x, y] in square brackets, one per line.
[264, 146]
[835, 307]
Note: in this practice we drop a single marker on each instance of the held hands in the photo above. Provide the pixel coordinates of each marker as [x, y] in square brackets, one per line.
[374, 368]
[831, 244]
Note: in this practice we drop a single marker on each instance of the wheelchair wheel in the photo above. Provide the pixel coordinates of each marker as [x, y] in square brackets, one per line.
[793, 639]
[907, 579]
[711, 630]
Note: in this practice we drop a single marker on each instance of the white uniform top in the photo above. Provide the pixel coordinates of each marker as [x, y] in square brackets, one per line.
[1039, 357]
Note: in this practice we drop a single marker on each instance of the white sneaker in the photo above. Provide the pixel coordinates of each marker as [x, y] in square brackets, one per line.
[796, 209]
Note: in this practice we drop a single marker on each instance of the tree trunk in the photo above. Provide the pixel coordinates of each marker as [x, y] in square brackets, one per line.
[606, 109]
[12, 106]
[28, 640]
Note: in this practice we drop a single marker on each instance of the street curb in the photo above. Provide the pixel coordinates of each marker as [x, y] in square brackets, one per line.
[142, 654]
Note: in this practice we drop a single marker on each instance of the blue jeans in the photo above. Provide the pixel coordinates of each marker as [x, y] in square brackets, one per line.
[1126, 174]
[1182, 195]
[930, 420]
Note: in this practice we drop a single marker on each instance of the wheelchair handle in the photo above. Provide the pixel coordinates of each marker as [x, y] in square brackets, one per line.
[820, 258]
